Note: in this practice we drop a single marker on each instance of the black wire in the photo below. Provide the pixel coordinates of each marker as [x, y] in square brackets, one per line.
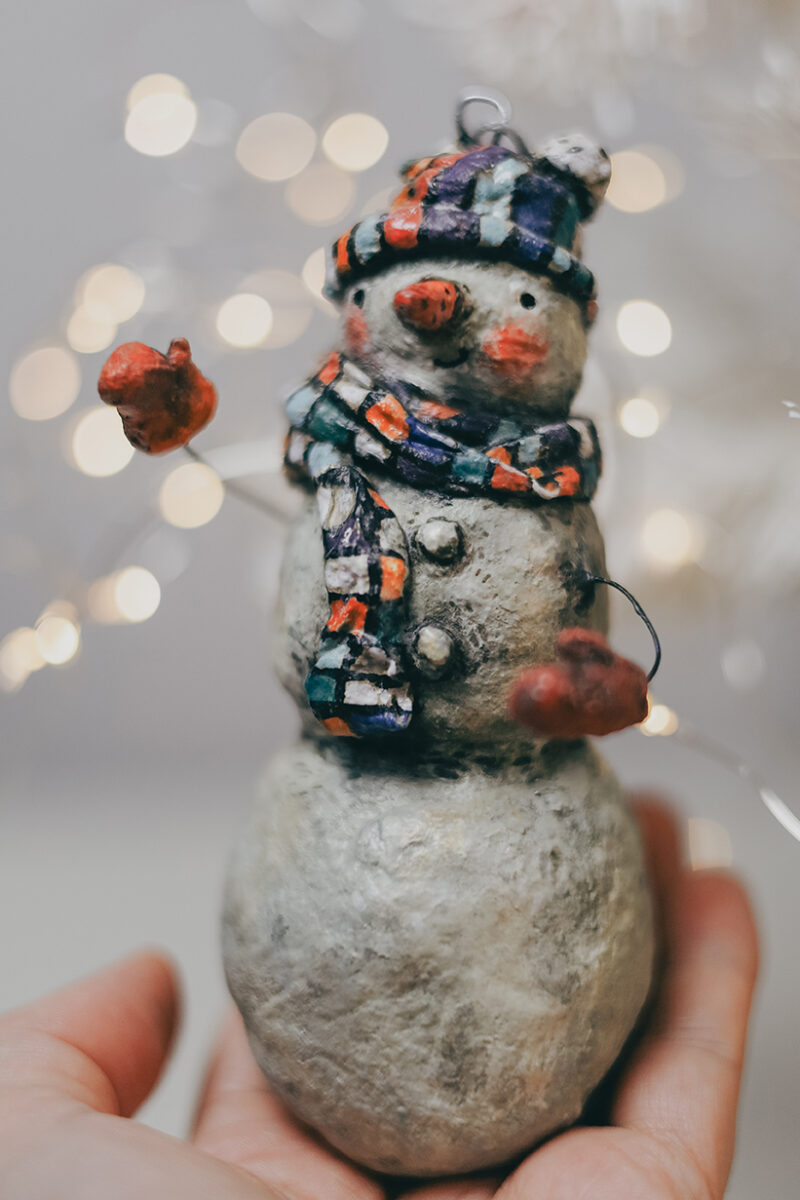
[637, 608]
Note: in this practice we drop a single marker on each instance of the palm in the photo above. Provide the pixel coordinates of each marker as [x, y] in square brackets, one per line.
[76, 1063]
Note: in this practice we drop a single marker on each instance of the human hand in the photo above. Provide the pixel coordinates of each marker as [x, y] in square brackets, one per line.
[76, 1065]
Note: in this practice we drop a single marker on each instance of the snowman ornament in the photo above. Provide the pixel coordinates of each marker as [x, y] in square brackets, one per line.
[437, 924]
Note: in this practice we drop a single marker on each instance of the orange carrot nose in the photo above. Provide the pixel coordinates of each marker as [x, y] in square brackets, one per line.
[429, 305]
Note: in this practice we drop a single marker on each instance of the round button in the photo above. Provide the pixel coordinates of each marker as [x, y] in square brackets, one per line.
[441, 541]
[434, 649]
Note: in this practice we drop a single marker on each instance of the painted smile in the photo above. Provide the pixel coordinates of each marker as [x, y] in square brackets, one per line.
[460, 358]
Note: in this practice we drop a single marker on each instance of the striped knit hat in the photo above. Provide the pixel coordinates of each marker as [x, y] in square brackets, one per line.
[485, 202]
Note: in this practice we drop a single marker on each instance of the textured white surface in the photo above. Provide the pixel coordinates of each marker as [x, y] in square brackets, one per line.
[502, 601]
[437, 965]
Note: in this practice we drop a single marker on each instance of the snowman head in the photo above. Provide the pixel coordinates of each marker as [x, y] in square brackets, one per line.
[489, 335]
[471, 286]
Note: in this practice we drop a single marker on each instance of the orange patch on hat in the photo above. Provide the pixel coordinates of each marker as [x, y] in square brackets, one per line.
[389, 417]
[338, 727]
[347, 614]
[419, 177]
[330, 370]
[342, 257]
[402, 226]
[393, 574]
[378, 499]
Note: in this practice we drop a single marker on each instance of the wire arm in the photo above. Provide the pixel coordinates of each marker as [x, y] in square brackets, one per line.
[637, 608]
[240, 491]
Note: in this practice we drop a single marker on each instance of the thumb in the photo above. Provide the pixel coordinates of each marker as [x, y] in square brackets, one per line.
[101, 1041]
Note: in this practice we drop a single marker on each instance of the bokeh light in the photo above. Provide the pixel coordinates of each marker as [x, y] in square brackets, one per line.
[671, 539]
[137, 593]
[19, 657]
[637, 182]
[313, 276]
[44, 383]
[289, 300]
[321, 194]
[644, 328]
[244, 320]
[161, 116]
[639, 417]
[355, 141]
[155, 85]
[99, 447]
[276, 146]
[86, 334]
[660, 721]
[313, 272]
[111, 292]
[191, 496]
[101, 601]
[58, 637]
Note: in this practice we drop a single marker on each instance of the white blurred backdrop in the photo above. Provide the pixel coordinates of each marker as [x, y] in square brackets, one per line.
[172, 168]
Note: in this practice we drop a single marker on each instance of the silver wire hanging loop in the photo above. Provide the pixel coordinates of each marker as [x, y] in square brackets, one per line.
[499, 127]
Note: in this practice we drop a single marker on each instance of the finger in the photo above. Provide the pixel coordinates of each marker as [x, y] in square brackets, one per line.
[464, 1189]
[683, 1083]
[102, 1041]
[241, 1122]
[662, 844]
[662, 850]
[85, 1155]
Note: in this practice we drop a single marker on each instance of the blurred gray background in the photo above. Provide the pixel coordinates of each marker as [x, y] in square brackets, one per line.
[126, 772]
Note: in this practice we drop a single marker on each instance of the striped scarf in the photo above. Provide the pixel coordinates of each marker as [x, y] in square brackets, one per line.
[343, 424]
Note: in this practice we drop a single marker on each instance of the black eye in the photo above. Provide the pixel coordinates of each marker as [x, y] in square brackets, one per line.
[358, 297]
[527, 300]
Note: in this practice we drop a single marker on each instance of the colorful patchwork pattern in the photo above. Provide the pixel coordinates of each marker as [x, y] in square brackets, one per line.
[340, 417]
[358, 684]
[485, 202]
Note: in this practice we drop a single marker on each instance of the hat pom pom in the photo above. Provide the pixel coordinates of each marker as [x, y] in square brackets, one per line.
[583, 164]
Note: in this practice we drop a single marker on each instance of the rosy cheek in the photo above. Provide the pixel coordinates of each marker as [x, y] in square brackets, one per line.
[514, 351]
[355, 332]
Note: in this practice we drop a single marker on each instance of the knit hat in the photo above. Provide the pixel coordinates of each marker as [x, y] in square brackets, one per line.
[488, 202]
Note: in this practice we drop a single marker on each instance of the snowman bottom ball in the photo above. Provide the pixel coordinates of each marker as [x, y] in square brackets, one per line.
[436, 976]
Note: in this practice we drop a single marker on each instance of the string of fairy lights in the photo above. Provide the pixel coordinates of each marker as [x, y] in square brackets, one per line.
[317, 172]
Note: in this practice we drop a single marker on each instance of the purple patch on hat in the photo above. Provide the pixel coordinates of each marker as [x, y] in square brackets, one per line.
[539, 207]
[451, 183]
[443, 222]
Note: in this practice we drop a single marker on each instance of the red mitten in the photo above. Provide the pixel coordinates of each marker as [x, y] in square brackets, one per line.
[589, 690]
[163, 399]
